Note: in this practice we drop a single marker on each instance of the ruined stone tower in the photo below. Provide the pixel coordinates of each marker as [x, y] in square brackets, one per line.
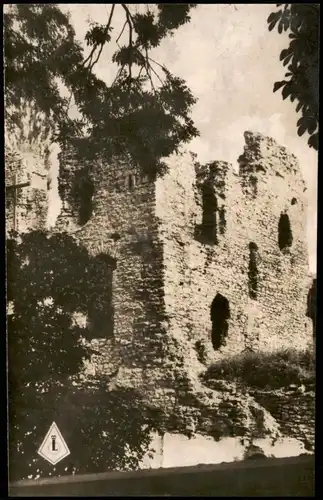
[206, 260]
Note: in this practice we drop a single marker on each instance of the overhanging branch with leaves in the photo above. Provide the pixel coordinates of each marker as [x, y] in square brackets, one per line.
[301, 57]
[144, 113]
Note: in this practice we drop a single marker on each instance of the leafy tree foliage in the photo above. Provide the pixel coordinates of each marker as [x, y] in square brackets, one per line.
[144, 113]
[103, 430]
[49, 279]
[301, 20]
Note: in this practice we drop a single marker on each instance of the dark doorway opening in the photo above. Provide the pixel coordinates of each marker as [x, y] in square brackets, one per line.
[220, 314]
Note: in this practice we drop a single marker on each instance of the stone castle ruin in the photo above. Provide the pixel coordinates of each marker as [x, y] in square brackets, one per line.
[207, 257]
[203, 262]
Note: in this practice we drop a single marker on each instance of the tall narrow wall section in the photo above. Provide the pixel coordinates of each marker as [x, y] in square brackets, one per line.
[122, 225]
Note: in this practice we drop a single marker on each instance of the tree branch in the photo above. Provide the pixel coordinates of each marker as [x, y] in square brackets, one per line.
[97, 58]
[118, 74]
[130, 48]
[117, 40]
[146, 59]
[110, 18]
[158, 64]
[89, 58]
[148, 70]
[126, 9]
[101, 45]
[152, 69]
[129, 21]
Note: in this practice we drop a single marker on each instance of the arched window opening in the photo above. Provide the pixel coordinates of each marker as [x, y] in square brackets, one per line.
[220, 314]
[285, 236]
[294, 201]
[253, 271]
[209, 217]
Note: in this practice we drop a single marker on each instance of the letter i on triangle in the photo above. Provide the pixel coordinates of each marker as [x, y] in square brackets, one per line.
[53, 448]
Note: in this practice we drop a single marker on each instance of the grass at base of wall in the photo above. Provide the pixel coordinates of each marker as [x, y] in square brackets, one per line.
[265, 370]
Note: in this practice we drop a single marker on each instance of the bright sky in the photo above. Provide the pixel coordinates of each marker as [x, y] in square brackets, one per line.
[230, 62]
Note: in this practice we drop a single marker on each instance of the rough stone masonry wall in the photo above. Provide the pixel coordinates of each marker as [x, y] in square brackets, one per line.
[293, 409]
[123, 226]
[166, 276]
[269, 183]
[27, 157]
